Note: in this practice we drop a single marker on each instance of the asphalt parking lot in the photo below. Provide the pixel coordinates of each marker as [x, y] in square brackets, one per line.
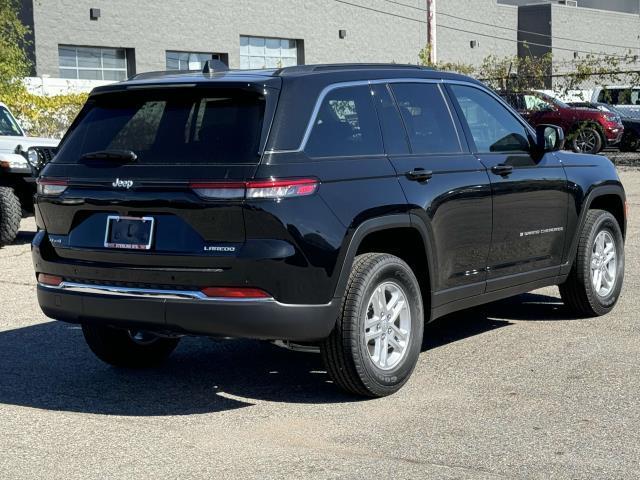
[516, 390]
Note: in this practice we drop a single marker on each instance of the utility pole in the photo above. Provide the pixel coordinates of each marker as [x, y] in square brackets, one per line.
[431, 30]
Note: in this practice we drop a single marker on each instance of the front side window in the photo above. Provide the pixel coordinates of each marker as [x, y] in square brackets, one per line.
[171, 127]
[189, 60]
[493, 128]
[8, 125]
[259, 52]
[92, 63]
[535, 103]
[620, 96]
[427, 118]
[346, 125]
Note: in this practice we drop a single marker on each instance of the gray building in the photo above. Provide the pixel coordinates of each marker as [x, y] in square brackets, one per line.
[469, 30]
[111, 39]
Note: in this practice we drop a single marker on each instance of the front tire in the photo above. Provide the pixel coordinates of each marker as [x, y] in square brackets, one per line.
[10, 215]
[595, 281]
[587, 139]
[629, 143]
[376, 341]
[128, 348]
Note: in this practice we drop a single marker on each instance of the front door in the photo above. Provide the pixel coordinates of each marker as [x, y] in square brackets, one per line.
[530, 196]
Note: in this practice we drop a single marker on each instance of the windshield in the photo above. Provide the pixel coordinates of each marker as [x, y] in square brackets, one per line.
[8, 125]
[554, 100]
[171, 127]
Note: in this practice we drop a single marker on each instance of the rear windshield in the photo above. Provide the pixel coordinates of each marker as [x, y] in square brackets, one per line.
[171, 127]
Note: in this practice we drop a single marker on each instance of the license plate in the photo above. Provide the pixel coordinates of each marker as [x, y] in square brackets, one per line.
[134, 233]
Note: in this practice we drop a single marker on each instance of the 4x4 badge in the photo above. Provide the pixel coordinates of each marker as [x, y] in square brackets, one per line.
[122, 183]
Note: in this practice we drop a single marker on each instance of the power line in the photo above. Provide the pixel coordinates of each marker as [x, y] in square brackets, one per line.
[473, 33]
[381, 11]
[526, 42]
[407, 6]
[534, 33]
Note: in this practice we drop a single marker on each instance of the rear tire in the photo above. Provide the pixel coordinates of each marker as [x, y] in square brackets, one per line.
[376, 341]
[126, 348]
[582, 293]
[10, 215]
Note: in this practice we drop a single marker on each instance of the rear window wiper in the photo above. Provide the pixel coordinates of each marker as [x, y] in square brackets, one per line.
[119, 155]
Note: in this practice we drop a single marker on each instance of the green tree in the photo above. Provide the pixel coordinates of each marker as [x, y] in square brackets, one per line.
[14, 63]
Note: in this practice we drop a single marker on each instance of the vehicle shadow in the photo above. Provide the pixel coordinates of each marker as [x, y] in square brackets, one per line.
[48, 366]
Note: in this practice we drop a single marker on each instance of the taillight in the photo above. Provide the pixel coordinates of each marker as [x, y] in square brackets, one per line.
[256, 189]
[51, 280]
[281, 188]
[234, 292]
[49, 186]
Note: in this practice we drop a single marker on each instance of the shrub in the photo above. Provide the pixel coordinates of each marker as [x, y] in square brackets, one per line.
[44, 116]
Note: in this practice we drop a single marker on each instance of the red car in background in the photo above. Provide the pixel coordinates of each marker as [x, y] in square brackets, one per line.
[587, 130]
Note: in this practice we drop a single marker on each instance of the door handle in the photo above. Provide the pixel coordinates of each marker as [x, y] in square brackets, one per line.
[419, 175]
[502, 169]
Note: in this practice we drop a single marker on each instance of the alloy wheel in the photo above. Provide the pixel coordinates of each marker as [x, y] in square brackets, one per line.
[604, 266]
[586, 140]
[387, 325]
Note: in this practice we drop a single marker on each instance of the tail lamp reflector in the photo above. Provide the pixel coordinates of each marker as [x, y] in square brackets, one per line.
[51, 280]
[234, 292]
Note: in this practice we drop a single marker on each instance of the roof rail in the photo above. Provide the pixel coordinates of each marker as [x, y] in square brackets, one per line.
[158, 73]
[345, 66]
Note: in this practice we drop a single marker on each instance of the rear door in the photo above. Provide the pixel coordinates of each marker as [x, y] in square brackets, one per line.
[154, 175]
[530, 193]
[446, 186]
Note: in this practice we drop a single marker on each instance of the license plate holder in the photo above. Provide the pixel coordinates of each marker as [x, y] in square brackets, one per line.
[129, 233]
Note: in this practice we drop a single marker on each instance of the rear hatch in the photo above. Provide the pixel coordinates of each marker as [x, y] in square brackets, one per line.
[152, 175]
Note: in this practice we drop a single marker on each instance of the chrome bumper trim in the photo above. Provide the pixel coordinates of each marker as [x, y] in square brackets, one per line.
[146, 293]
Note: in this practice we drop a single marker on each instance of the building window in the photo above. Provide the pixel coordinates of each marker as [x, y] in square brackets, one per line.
[189, 60]
[92, 63]
[257, 52]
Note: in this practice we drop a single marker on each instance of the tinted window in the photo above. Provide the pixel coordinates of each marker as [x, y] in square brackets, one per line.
[8, 125]
[393, 132]
[346, 125]
[492, 126]
[171, 127]
[426, 118]
[620, 96]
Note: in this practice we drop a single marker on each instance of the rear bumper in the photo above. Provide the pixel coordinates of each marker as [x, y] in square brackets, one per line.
[186, 312]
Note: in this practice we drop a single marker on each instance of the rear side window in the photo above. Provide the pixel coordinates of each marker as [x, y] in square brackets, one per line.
[345, 125]
[427, 118]
[169, 127]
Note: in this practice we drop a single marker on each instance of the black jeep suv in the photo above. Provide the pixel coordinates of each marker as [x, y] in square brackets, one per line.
[335, 205]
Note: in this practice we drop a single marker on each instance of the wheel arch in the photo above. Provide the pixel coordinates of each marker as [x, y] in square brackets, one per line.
[376, 234]
[610, 198]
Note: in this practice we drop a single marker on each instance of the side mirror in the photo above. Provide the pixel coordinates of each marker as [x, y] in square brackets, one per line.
[549, 138]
